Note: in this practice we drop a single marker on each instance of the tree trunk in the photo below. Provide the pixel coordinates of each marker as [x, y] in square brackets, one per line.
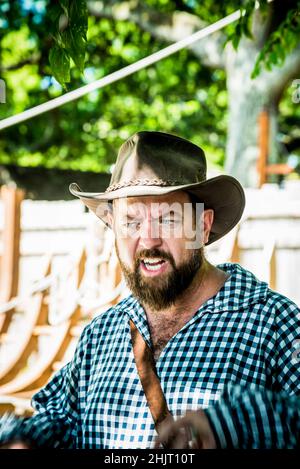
[247, 98]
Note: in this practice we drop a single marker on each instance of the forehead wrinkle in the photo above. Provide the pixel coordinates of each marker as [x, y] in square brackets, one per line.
[176, 196]
[159, 202]
[153, 214]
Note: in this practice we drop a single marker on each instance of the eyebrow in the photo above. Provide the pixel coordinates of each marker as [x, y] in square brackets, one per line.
[128, 217]
[171, 213]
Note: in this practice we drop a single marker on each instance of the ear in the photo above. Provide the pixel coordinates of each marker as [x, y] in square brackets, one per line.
[110, 219]
[105, 213]
[208, 219]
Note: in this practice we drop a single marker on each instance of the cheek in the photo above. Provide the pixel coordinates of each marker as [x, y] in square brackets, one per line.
[176, 249]
[125, 250]
[194, 234]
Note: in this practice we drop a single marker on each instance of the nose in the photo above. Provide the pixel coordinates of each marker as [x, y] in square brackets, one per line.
[149, 236]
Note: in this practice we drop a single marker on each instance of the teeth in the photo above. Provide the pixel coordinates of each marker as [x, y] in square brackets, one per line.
[153, 267]
[152, 261]
[153, 264]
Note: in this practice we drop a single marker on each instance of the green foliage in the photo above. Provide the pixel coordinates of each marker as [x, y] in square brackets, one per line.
[178, 95]
[280, 43]
[242, 26]
[70, 20]
[60, 64]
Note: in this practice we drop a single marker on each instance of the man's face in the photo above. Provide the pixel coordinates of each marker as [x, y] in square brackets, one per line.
[159, 245]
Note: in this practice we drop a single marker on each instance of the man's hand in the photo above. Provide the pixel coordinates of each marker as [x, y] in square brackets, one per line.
[18, 444]
[192, 431]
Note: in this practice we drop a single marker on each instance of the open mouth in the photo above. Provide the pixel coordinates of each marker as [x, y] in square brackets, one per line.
[153, 265]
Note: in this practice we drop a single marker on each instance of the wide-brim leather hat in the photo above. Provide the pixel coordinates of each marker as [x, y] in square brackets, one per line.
[156, 163]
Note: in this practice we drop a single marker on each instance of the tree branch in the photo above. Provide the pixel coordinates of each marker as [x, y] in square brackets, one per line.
[279, 77]
[275, 80]
[170, 27]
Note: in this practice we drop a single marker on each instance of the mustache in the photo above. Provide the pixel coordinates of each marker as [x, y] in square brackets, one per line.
[153, 252]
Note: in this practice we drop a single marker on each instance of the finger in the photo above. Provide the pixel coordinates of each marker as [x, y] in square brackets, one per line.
[174, 435]
[204, 437]
[169, 427]
[165, 431]
[186, 432]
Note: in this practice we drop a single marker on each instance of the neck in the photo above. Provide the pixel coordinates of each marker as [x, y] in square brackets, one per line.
[164, 324]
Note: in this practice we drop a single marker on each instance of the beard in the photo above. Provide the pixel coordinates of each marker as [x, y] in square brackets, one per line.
[161, 292]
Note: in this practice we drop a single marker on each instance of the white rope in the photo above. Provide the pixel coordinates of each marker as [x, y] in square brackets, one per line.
[119, 74]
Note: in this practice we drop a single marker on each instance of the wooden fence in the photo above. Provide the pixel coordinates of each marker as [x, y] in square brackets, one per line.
[267, 241]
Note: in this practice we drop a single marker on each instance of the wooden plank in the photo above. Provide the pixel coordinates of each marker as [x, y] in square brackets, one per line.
[16, 404]
[9, 272]
[37, 376]
[264, 169]
[9, 279]
[59, 339]
[280, 168]
[35, 315]
[263, 143]
[269, 259]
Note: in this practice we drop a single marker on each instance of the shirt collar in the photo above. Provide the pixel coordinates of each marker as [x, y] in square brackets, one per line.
[138, 315]
[240, 291]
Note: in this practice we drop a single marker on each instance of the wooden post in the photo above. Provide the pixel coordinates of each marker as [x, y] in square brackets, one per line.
[263, 126]
[269, 260]
[9, 274]
[264, 169]
[273, 269]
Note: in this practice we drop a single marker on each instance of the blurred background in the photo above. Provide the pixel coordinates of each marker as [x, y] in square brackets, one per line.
[235, 92]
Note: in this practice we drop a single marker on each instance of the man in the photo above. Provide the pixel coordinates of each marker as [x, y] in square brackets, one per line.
[188, 328]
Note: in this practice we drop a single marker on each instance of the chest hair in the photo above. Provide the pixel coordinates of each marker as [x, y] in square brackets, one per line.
[162, 331]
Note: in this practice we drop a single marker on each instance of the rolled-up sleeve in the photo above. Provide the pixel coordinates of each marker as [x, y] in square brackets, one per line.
[255, 418]
[55, 421]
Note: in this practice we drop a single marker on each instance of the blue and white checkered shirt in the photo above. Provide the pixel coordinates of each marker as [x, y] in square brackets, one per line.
[246, 334]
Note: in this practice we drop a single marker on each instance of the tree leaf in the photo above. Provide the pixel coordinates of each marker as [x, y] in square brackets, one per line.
[76, 46]
[54, 14]
[60, 64]
[65, 5]
[235, 41]
[79, 17]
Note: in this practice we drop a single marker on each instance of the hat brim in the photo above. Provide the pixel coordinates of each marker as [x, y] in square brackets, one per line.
[223, 194]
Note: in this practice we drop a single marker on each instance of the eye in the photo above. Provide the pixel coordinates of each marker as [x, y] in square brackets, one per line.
[132, 224]
[169, 221]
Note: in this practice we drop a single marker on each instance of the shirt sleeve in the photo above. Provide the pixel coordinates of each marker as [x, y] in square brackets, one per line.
[286, 375]
[55, 421]
[255, 419]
